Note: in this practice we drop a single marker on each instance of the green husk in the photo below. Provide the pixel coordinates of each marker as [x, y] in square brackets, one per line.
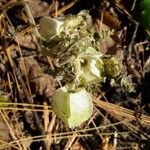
[73, 107]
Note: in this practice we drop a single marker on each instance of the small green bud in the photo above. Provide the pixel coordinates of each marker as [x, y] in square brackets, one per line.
[112, 67]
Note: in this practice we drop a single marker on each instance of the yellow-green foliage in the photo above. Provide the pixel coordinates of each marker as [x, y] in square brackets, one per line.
[3, 101]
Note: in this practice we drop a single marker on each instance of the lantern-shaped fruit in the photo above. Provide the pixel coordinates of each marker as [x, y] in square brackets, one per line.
[72, 106]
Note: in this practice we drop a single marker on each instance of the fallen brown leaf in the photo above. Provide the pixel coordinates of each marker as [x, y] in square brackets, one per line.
[110, 20]
[4, 131]
[38, 8]
[41, 83]
[26, 40]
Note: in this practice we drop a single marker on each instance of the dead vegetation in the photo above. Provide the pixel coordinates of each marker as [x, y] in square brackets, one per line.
[120, 120]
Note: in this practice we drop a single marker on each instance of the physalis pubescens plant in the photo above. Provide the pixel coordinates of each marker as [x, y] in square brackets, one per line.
[73, 43]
